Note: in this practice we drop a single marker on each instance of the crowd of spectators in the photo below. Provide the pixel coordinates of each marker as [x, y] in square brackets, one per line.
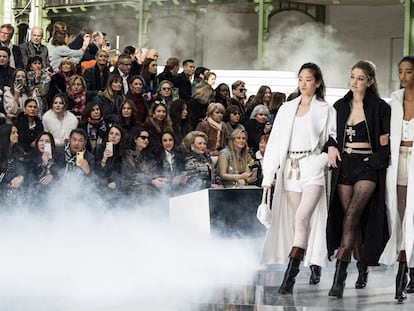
[72, 109]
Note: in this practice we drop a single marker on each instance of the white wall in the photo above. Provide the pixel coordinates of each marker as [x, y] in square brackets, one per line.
[374, 33]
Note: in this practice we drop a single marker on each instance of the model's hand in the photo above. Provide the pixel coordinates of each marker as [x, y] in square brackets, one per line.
[384, 139]
[333, 156]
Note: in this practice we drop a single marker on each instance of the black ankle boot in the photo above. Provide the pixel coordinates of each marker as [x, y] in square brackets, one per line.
[338, 285]
[401, 282]
[315, 276]
[362, 275]
[410, 286]
[290, 276]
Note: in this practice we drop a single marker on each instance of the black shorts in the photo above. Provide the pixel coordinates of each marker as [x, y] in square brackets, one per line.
[354, 168]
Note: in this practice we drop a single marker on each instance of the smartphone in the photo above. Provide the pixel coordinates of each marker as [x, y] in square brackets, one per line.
[20, 82]
[175, 93]
[48, 149]
[79, 157]
[110, 146]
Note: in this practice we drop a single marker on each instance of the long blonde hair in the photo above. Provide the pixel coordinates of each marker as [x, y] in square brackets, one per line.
[240, 161]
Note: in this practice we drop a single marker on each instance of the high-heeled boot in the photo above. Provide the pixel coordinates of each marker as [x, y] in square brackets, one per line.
[315, 276]
[401, 279]
[296, 256]
[401, 282]
[338, 285]
[410, 286]
[343, 257]
[362, 279]
[361, 282]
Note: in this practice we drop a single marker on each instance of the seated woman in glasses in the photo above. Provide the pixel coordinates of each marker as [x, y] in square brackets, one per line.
[232, 120]
[139, 168]
[164, 93]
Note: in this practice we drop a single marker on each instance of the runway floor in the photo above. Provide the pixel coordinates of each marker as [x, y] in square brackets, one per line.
[262, 294]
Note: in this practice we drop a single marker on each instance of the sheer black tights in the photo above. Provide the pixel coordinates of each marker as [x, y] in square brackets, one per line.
[353, 200]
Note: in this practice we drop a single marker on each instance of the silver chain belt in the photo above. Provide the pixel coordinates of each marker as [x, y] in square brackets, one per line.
[294, 161]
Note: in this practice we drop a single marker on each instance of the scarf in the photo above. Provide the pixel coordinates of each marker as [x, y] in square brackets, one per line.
[94, 126]
[79, 99]
[219, 127]
[70, 159]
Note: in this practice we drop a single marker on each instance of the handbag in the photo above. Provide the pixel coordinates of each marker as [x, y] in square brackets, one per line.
[264, 214]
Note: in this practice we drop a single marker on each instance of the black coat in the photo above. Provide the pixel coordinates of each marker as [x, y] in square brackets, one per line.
[373, 219]
[184, 85]
[254, 131]
[26, 135]
[94, 82]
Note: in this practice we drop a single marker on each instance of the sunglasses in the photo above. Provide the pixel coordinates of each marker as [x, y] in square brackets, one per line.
[243, 90]
[166, 89]
[144, 137]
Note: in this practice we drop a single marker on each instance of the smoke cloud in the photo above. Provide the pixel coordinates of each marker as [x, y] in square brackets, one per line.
[74, 254]
[292, 43]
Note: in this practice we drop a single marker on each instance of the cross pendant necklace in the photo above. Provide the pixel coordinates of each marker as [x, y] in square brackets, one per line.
[350, 132]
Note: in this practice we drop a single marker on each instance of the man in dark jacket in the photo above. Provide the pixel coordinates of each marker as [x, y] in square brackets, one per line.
[35, 47]
[6, 34]
[182, 81]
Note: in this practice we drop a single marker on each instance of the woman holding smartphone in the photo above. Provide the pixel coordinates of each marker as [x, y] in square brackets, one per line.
[109, 155]
[234, 162]
[41, 163]
[15, 97]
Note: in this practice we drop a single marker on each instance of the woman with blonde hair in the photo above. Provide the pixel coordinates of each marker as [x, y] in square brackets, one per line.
[215, 129]
[234, 161]
[76, 94]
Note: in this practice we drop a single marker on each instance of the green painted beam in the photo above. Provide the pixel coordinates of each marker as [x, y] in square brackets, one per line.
[408, 27]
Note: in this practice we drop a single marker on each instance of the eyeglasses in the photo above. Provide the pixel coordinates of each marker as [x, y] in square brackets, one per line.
[166, 89]
[242, 90]
[236, 113]
[129, 65]
[144, 137]
[5, 33]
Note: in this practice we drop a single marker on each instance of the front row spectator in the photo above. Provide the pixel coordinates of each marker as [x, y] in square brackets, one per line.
[11, 163]
[235, 163]
[76, 160]
[58, 121]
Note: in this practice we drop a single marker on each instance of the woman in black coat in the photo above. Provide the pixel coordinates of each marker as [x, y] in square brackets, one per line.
[356, 218]
[28, 125]
[109, 156]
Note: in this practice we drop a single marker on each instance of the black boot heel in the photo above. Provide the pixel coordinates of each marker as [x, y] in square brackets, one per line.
[315, 276]
[362, 276]
[338, 285]
[401, 282]
[290, 277]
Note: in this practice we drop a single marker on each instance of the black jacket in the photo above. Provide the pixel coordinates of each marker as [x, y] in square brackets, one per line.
[373, 219]
[184, 85]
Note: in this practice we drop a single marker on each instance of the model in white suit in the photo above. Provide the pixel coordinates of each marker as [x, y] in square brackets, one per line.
[294, 152]
[400, 174]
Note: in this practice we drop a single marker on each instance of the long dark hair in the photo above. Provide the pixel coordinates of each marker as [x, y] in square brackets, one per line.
[145, 74]
[175, 110]
[52, 143]
[6, 150]
[121, 147]
[86, 113]
[317, 74]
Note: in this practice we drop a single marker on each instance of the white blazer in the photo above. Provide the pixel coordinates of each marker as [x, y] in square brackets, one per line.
[396, 228]
[279, 238]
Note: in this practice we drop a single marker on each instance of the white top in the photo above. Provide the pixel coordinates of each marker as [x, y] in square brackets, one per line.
[60, 129]
[300, 140]
[407, 133]
[62, 51]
